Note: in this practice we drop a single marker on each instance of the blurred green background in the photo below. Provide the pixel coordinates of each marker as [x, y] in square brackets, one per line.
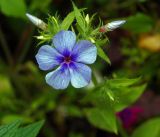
[134, 51]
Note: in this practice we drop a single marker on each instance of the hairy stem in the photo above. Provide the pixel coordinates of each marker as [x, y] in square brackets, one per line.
[24, 45]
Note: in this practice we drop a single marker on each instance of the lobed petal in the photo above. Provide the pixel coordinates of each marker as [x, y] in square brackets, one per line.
[80, 75]
[64, 41]
[47, 57]
[85, 52]
[60, 78]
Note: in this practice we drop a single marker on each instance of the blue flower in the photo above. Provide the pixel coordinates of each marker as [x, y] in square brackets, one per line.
[69, 59]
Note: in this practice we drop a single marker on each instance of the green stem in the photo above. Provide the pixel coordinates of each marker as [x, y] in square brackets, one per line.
[5, 48]
[94, 79]
[25, 46]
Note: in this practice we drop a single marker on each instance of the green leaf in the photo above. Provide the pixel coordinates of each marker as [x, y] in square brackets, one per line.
[102, 42]
[123, 91]
[13, 8]
[53, 28]
[9, 129]
[12, 130]
[12, 117]
[139, 23]
[103, 114]
[30, 130]
[122, 82]
[103, 55]
[67, 21]
[80, 19]
[127, 96]
[151, 128]
[115, 92]
[111, 96]
[36, 5]
[102, 118]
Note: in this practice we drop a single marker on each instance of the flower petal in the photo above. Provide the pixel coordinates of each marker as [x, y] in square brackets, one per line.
[60, 78]
[80, 74]
[64, 41]
[47, 57]
[85, 52]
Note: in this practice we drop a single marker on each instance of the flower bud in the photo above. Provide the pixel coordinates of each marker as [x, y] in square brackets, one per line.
[37, 22]
[114, 25]
[87, 19]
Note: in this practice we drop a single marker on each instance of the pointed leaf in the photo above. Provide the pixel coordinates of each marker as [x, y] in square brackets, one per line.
[9, 129]
[102, 118]
[14, 8]
[139, 23]
[67, 21]
[103, 55]
[79, 17]
[30, 130]
[127, 96]
[123, 82]
[151, 128]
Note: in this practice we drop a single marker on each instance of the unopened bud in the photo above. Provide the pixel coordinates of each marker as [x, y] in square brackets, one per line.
[87, 19]
[114, 25]
[37, 22]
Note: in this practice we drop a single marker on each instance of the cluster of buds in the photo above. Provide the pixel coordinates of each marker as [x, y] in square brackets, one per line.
[108, 27]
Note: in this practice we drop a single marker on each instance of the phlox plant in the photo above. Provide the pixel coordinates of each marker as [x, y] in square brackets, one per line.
[71, 49]
[67, 48]
[67, 83]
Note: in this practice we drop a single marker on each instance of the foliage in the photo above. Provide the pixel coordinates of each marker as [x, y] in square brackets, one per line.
[13, 8]
[150, 128]
[14, 130]
[112, 96]
[139, 23]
